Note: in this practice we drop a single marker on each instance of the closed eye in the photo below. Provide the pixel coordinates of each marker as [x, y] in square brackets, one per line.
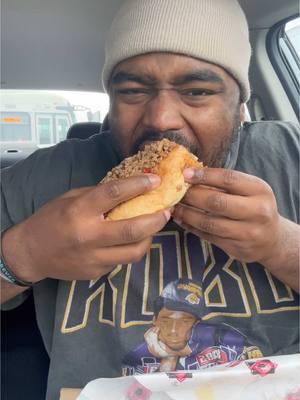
[194, 92]
[132, 91]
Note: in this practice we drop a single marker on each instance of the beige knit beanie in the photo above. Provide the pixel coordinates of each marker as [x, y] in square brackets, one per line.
[211, 30]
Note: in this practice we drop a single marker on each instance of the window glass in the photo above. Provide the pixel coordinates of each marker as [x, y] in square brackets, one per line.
[289, 43]
[292, 30]
[62, 126]
[284, 52]
[44, 130]
[15, 127]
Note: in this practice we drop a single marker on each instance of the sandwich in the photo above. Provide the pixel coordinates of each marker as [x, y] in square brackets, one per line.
[164, 158]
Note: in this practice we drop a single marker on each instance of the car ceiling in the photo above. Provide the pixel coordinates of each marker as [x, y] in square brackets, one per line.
[59, 44]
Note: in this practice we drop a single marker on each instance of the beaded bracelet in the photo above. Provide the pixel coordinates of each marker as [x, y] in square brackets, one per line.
[10, 277]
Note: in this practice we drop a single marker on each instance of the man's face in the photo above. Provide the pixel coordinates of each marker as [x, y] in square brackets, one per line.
[167, 95]
[175, 328]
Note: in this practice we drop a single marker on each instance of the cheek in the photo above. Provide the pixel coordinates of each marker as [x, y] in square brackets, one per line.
[123, 124]
[212, 124]
[188, 332]
[219, 116]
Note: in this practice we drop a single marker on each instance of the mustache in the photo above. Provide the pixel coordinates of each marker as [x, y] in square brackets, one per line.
[174, 136]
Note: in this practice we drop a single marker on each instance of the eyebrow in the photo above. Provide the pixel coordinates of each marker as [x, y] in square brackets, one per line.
[203, 75]
[123, 76]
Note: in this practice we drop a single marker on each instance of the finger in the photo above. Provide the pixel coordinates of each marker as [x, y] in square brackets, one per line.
[125, 254]
[218, 203]
[214, 239]
[219, 226]
[234, 182]
[135, 229]
[112, 233]
[106, 196]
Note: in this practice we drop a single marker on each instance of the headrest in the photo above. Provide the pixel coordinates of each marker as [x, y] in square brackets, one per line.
[83, 130]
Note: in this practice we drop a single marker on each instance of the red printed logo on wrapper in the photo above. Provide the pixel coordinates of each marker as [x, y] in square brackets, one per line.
[294, 395]
[262, 367]
[179, 376]
[136, 391]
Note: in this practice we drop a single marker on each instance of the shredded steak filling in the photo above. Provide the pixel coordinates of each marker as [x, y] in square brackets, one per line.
[145, 161]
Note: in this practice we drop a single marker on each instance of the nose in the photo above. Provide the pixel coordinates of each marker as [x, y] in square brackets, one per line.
[173, 329]
[163, 112]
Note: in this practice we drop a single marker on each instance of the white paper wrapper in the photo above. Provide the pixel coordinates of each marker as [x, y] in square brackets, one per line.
[273, 378]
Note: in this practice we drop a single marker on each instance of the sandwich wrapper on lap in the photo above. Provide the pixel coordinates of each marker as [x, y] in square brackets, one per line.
[269, 378]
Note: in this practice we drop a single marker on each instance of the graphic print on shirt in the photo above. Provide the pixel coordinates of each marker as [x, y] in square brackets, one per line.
[178, 338]
[229, 287]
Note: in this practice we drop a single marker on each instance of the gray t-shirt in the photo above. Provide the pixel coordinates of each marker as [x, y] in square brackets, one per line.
[103, 328]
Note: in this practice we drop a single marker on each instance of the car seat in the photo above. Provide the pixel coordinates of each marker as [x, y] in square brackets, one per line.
[83, 130]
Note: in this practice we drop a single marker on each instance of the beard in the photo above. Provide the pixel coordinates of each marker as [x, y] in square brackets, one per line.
[216, 157]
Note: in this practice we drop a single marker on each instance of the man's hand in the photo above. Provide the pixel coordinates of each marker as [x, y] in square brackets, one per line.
[155, 346]
[68, 238]
[238, 213]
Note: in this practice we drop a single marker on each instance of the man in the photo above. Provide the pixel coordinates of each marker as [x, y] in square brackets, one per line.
[179, 340]
[174, 68]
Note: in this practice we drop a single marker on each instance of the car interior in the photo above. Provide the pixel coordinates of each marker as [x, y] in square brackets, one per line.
[59, 45]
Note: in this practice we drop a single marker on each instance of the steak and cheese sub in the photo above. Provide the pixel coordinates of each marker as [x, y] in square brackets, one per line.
[164, 158]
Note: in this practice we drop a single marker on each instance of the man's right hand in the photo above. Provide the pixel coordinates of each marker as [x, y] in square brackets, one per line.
[68, 237]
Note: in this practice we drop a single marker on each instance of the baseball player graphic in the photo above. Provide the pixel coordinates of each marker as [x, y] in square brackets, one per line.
[180, 340]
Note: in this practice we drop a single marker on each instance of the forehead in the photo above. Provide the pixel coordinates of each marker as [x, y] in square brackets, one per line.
[165, 313]
[166, 67]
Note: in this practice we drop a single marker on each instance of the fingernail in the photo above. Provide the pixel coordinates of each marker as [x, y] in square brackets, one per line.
[167, 215]
[199, 173]
[188, 173]
[154, 179]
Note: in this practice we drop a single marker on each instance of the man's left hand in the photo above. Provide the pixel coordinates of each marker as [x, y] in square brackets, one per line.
[237, 212]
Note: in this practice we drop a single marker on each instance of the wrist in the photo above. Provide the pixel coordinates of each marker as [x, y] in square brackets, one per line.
[284, 254]
[15, 256]
[7, 274]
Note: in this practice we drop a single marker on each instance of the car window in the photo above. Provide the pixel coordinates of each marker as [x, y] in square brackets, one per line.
[44, 129]
[289, 43]
[15, 126]
[62, 124]
[292, 30]
[43, 118]
[284, 51]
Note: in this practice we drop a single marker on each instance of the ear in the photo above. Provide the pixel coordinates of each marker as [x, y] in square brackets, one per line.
[242, 113]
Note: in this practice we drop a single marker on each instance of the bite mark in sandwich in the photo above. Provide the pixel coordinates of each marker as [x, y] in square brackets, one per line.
[164, 158]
